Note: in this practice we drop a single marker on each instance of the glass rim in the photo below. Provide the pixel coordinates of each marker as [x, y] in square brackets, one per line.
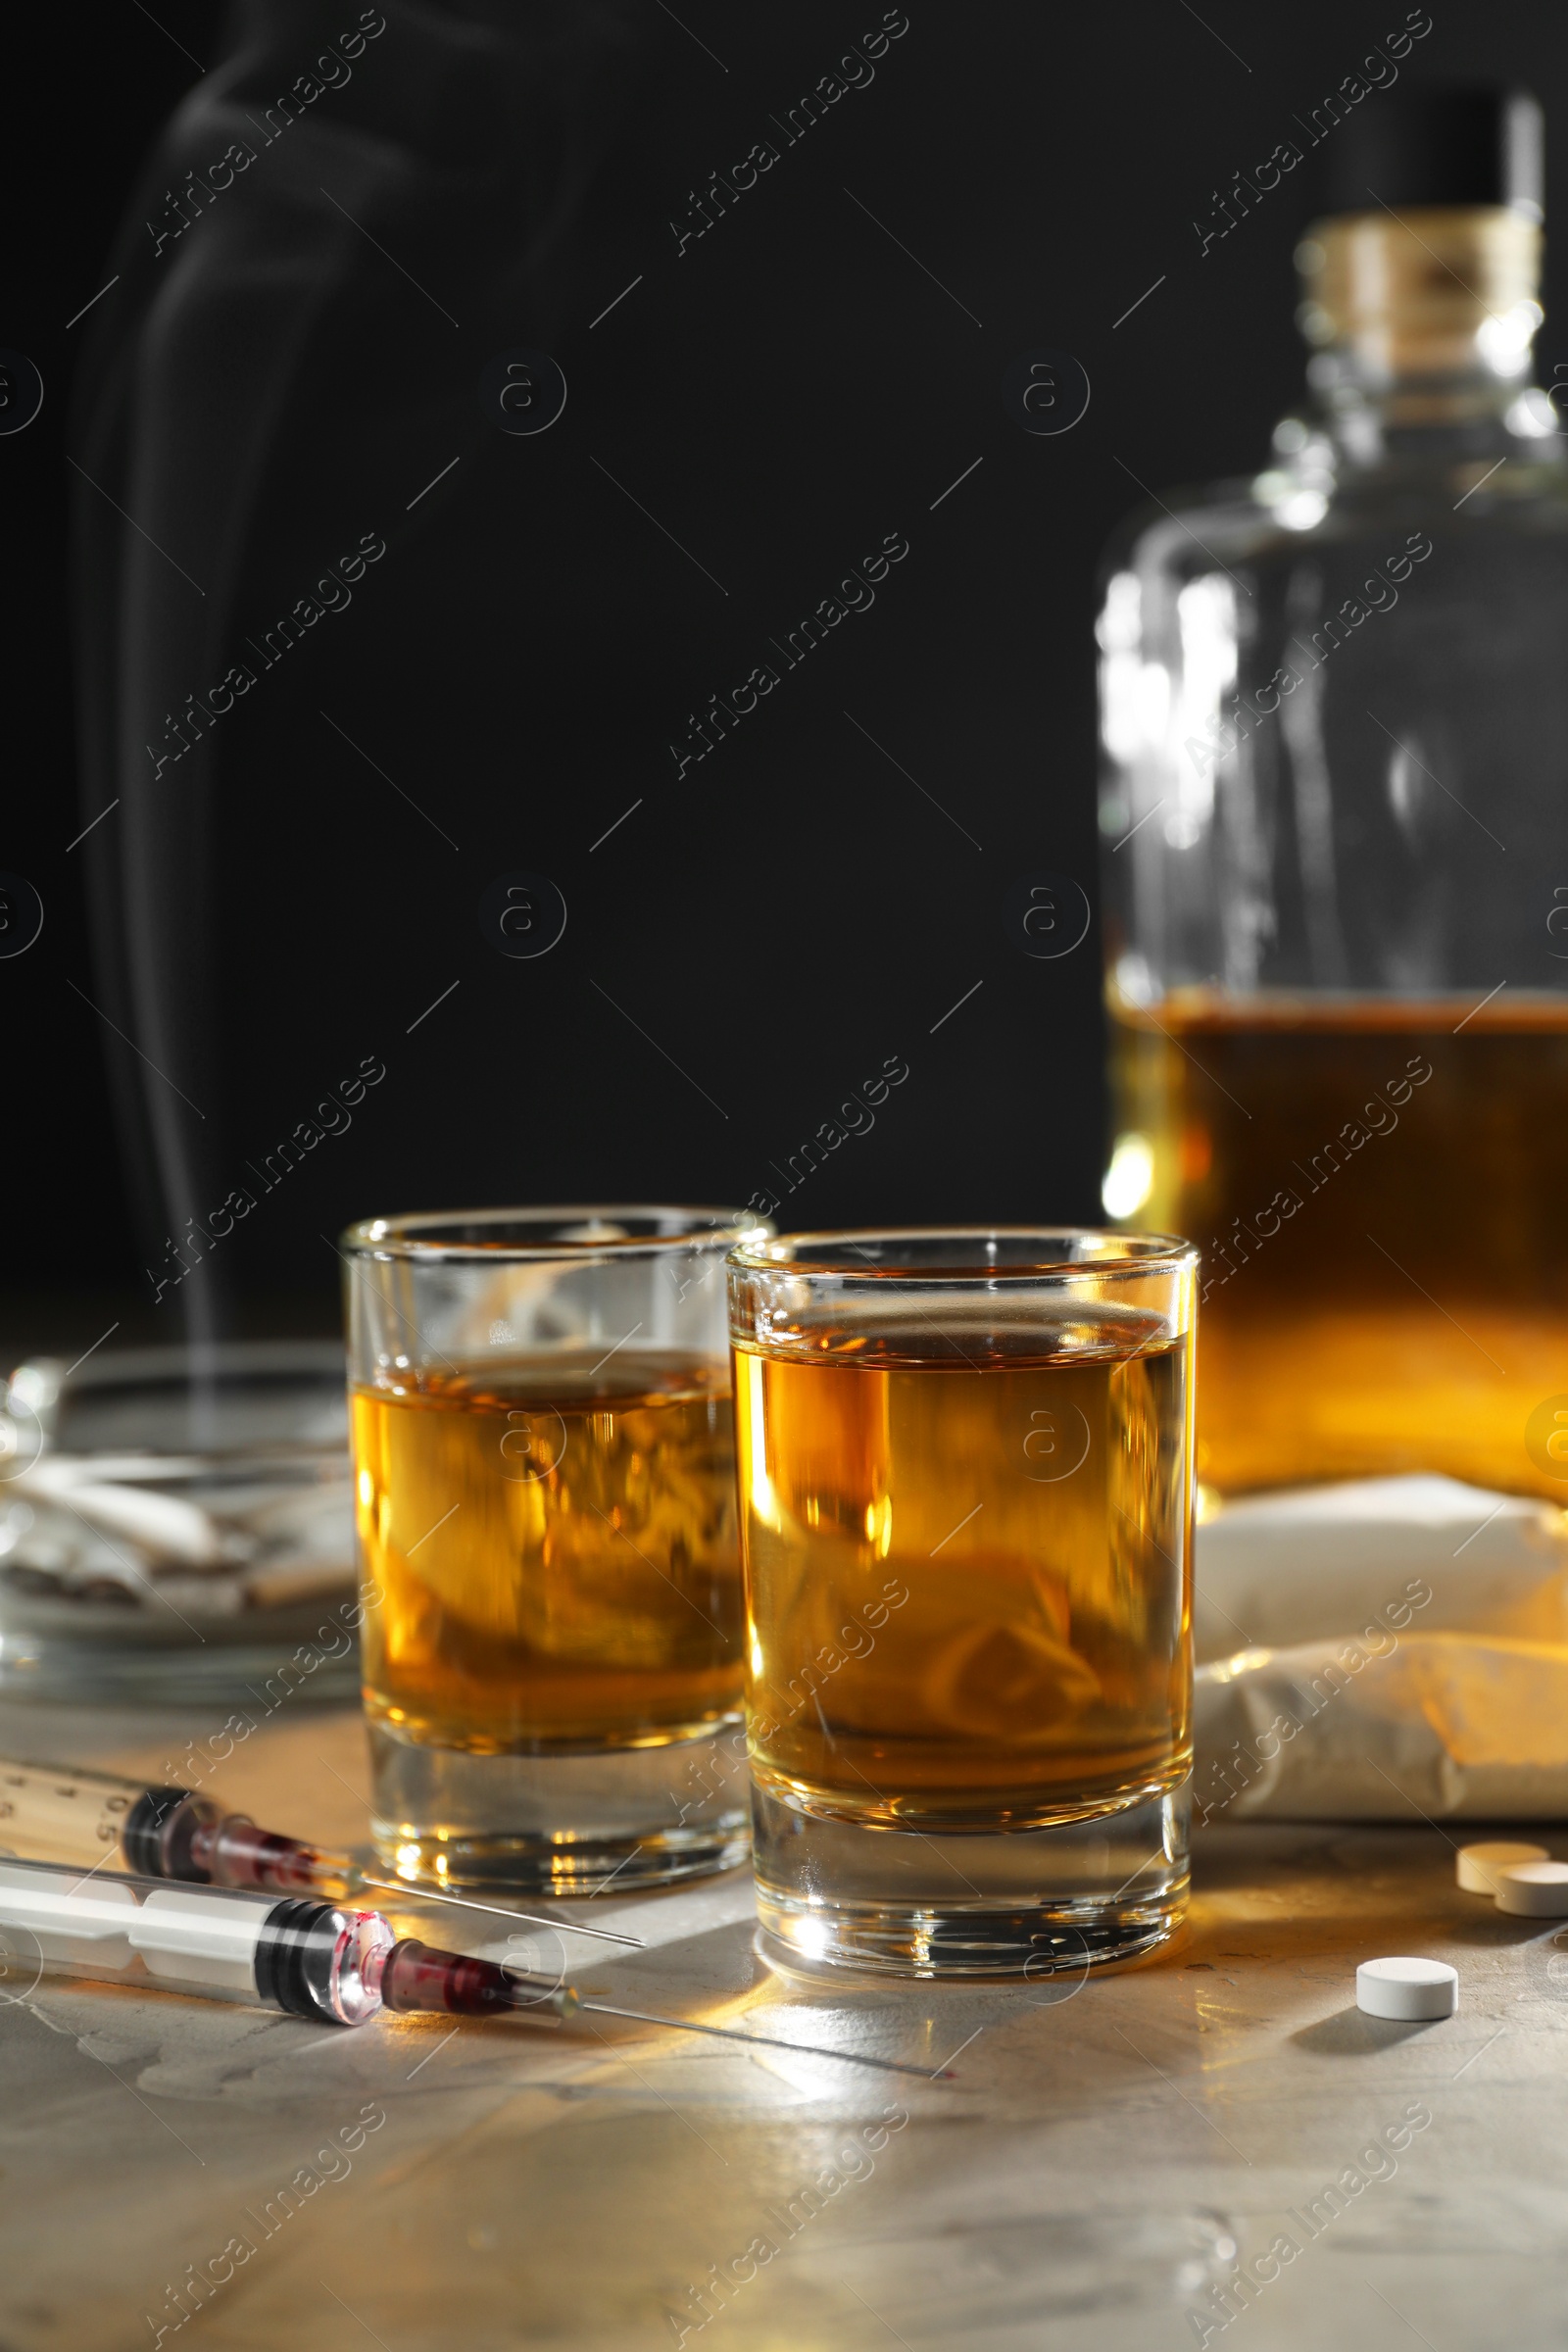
[417, 1235]
[839, 1254]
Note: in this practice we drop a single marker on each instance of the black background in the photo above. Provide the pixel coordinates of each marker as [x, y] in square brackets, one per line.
[760, 935]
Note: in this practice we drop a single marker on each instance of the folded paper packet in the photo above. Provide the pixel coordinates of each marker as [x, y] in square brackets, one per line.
[1381, 1650]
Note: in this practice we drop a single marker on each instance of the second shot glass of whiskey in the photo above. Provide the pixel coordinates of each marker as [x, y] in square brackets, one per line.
[964, 1462]
[545, 1492]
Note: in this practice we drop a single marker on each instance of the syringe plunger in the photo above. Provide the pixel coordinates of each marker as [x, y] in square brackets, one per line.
[314, 1959]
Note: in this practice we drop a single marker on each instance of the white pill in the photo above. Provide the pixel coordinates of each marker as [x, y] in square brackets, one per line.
[1407, 1988]
[1534, 1890]
[1479, 1865]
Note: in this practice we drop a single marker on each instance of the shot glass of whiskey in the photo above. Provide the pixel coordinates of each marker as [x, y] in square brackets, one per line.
[544, 1495]
[965, 1487]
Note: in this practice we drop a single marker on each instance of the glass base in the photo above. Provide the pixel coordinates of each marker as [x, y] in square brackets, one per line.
[1049, 1904]
[562, 1825]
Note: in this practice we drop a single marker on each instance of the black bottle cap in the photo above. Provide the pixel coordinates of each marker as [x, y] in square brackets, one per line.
[1430, 144]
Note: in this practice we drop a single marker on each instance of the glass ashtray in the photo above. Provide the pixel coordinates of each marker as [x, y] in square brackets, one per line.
[177, 1524]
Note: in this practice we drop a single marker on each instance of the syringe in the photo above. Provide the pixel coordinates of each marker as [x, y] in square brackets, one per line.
[316, 1960]
[58, 1813]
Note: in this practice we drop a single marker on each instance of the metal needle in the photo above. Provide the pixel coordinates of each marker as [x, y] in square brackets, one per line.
[532, 1919]
[802, 2049]
[686, 2024]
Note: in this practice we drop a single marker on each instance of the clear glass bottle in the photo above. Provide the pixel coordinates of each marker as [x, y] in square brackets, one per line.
[1334, 837]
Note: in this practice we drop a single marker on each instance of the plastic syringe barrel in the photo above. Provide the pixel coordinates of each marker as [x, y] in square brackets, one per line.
[58, 1813]
[314, 1960]
[52, 1810]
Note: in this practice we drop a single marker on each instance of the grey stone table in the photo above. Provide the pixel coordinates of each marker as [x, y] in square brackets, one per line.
[1218, 2146]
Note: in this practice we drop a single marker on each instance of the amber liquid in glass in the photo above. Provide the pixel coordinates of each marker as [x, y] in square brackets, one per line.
[1380, 1196]
[553, 1552]
[965, 1573]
